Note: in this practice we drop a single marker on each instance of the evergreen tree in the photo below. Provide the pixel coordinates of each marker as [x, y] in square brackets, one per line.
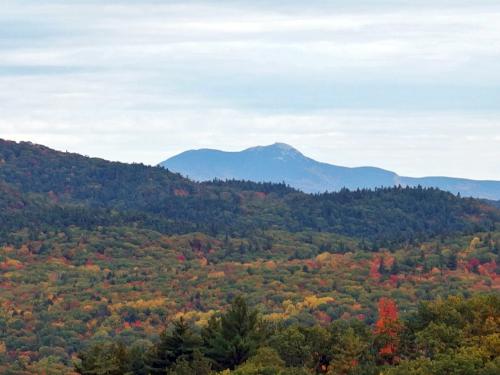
[138, 357]
[198, 366]
[452, 262]
[231, 339]
[180, 343]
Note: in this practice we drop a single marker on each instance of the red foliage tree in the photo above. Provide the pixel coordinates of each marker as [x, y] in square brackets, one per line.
[473, 264]
[388, 328]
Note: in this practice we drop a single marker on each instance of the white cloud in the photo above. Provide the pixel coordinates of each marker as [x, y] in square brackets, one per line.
[406, 87]
[424, 145]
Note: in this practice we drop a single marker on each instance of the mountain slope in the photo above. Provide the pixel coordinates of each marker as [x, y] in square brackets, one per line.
[61, 189]
[282, 163]
[276, 163]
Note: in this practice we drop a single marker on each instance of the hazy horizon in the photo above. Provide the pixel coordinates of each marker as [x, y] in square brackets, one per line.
[409, 88]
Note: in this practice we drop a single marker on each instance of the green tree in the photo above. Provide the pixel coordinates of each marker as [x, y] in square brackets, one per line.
[198, 366]
[232, 338]
[319, 340]
[347, 353]
[265, 362]
[177, 344]
[438, 338]
[292, 347]
[104, 359]
[138, 356]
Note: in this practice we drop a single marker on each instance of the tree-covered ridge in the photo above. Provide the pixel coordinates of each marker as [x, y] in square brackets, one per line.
[67, 189]
[452, 336]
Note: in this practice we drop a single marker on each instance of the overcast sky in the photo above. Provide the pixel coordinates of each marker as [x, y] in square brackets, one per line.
[410, 86]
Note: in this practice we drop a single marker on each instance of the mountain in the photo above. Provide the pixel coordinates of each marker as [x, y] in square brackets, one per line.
[282, 163]
[99, 254]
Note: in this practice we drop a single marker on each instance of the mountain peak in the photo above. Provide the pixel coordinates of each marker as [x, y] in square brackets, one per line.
[282, 145]
[278, 147]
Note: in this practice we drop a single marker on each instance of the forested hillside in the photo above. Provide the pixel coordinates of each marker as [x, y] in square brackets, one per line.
[46, 188]
[98, 258]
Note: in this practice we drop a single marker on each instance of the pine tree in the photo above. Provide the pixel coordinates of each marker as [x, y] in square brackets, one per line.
[179, 343]
[198, 366]
[231, 339]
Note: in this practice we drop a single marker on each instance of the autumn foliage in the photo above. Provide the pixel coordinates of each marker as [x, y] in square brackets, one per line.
[110, 254]
[388, 329]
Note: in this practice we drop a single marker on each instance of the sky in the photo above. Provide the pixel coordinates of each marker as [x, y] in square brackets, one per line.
[410, 86]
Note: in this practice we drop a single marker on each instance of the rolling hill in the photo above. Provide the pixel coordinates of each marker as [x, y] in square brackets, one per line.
[51, 188]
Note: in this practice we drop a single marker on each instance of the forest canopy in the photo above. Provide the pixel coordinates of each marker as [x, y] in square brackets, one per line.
[112, 268]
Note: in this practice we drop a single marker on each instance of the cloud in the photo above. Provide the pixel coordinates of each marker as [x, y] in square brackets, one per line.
[388, 83]
[415, 144]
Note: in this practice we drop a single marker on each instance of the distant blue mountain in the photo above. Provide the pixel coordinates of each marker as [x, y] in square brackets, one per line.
[282, 163]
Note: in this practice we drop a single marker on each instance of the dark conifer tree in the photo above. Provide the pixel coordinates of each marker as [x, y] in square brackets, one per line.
[395, 267]
[179, 343]
[231, 339]
[452, 262]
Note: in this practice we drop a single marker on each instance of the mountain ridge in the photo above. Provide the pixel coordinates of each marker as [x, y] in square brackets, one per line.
[281, 162]
[45, 187]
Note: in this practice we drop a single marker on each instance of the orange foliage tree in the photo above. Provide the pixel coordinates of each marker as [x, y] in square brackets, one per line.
[388, 328]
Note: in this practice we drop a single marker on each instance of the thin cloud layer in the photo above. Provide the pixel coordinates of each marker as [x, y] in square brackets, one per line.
[386, 83]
